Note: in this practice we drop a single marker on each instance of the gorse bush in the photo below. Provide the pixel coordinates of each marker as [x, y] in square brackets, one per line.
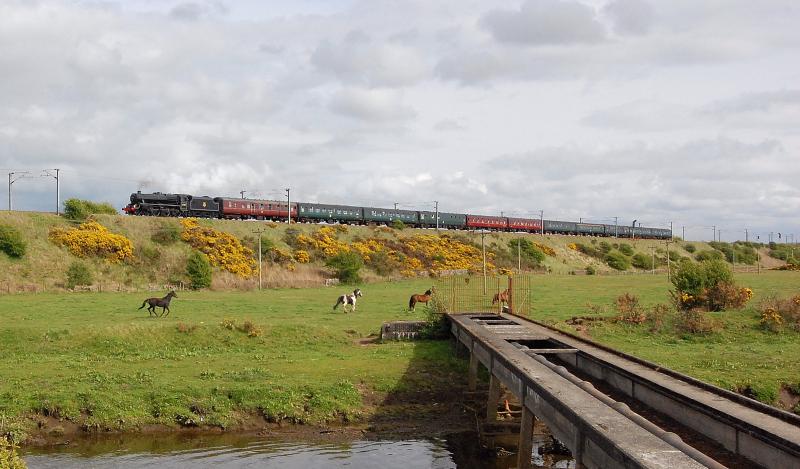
[198, 269]
[626, 249]
[690, 248]
[708, 255]
[11, 242]
[617, 260]
[166, 234]
[91, 239]
[642, 261]
[78, 274]
[528, 250]
[347, 266]
[398, 224]
[223, 249]
[708, 284]
[78, 209]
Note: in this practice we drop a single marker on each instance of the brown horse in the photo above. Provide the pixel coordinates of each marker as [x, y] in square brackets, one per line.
[424, 298]
[162, 303]
[501, 298]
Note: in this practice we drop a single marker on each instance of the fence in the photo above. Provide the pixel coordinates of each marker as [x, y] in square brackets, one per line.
[469, 294]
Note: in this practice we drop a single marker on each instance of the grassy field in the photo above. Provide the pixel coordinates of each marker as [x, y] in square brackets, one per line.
[94, 360]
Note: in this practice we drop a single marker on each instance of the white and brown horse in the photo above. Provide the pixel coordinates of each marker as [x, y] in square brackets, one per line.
[424, 298]
[348, 299]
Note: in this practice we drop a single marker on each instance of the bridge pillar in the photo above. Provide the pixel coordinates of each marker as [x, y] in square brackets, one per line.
[493, 400]
[472, 380]
[525, 448]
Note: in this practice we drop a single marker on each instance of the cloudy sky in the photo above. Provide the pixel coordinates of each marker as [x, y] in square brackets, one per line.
[681, 110]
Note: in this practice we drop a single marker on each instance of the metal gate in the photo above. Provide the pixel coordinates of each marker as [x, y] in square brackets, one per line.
[474, 293]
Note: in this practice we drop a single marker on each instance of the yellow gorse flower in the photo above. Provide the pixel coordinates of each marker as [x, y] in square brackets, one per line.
[223, 249]
[91, 239]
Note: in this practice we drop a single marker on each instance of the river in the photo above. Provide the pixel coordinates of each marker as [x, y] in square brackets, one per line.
[250, 451]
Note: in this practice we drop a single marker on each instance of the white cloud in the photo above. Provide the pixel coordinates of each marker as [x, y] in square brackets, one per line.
[630, 16]
[376, 105]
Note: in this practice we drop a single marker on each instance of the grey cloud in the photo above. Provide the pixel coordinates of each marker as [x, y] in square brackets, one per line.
[756, 102]
[358, 60]
[539, 22]
[630, 16]
[449, 125]
[192, 11]
[381, 105]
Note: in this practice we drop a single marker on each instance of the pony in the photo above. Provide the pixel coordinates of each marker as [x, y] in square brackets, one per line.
[348, 299]
[424, 298]
[501, 297]
[162, 303]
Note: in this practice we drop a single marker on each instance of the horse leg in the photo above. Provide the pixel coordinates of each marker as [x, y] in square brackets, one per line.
[165, 308]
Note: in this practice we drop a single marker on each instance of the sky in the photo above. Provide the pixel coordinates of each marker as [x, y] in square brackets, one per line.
[682, 111]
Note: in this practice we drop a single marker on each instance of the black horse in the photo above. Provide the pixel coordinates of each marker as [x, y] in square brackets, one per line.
[162, 303]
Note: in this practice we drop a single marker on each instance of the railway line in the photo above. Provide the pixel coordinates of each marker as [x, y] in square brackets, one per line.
[614, 410]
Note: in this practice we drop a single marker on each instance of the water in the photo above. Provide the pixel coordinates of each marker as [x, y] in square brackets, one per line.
[224, 451]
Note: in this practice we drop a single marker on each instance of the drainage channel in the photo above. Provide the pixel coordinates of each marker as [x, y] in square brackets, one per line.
[701, 448]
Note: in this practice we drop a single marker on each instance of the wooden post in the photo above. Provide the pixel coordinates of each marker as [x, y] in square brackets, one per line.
[511, 295]
[472, 382]
[525, 447]
[494, 398]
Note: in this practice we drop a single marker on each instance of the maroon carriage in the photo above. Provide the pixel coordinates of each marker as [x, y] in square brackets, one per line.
[525, 224]
[487, 222]
[258, 209]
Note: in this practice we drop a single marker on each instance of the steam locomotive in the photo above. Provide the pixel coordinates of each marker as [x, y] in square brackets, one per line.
[186, 205]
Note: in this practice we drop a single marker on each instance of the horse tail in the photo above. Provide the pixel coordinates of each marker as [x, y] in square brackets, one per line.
[143, 303]
[412, 302]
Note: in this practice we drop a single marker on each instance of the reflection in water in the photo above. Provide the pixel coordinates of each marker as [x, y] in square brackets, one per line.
[246, 451]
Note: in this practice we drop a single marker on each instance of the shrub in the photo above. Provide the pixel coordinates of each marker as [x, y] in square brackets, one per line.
[78, 209]
[290, 237]
[690, 248]
[398, 224]
[223, 249]
[717, 271]
[658, 316]
[604, 247]
[642, 261]
[346, 265]
[198, 269]
[266, 245]
[9, 459]
[708, 284]
[93, 239]
[590, 270]
[626, 249]
[776, 312]
[616, 260]
[11, 242]
[696, 322]
[628, 309]
[78, 274]
[167, 233]
[708, 255]
[726, 296]
[528, 250]
[689, 278]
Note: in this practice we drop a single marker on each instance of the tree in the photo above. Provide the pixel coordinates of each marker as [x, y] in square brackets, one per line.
[198, 269]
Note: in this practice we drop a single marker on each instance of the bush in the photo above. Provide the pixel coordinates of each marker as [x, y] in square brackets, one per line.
[198, 269]
[167, 233]
[78, 274]
[725, 296]
[696, 322]
[708, 255]
[616, 260]
[528, 250]
[605, 247]
[590, 270]
[346, 265]
[626, 249]
[9, 459]
[642, 261]
[628, 309]
[398, 224]
[777, 313]
[78, 209]
[290, 237]
[690, 248]
[11, 242]
[689, 278]
[708, 284]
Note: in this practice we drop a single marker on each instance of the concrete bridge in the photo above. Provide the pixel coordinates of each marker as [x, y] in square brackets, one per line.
[613, 410]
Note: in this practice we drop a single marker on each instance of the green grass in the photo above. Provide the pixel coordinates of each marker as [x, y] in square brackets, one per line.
[93, 358]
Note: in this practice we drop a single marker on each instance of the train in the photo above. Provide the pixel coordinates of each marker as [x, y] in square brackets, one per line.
[186, 205]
